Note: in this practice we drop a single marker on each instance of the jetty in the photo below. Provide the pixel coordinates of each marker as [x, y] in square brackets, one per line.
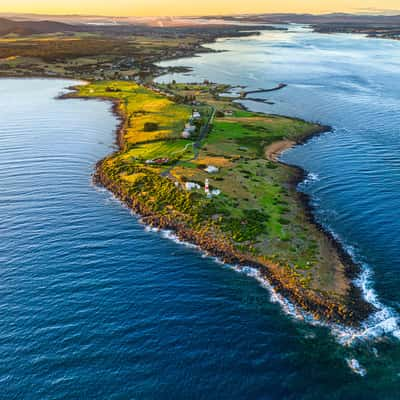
[278, 87]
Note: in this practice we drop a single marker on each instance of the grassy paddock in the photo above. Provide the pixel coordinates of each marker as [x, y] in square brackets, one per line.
[257, 209]
[140, 106]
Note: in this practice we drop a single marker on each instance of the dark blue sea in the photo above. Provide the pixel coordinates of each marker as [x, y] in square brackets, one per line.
[95, 306]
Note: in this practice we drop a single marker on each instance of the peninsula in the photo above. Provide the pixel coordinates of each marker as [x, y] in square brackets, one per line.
[197, 163]
[192, 160]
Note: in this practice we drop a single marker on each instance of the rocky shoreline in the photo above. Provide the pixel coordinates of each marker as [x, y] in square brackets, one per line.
[351, 311]
[214, 245]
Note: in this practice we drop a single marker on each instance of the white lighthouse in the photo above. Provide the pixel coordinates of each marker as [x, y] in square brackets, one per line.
[207, 188]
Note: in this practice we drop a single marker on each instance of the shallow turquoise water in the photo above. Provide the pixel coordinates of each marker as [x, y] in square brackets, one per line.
[94, 306]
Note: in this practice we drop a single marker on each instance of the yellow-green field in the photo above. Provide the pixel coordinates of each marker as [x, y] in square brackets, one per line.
[255, 204]
[140, 106]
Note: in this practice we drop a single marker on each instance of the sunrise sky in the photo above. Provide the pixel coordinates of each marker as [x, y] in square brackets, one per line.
[190, 7]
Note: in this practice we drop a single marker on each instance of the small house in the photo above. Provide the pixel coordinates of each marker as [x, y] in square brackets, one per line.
[161, 161]
[192, 186]
[215, 192]
[211, 169]
[186, 134]
[190, 128]
[196, 115]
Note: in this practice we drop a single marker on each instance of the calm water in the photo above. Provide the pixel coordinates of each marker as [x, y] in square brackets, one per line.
[93, 306]
[351, 83]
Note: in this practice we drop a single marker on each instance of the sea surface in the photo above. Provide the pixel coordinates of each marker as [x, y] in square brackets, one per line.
[95, 306]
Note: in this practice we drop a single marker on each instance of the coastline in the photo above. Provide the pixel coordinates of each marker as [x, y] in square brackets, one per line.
[353, 313]
[353, 269]
[151, 65]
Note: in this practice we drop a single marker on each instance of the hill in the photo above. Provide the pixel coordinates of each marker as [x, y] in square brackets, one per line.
[8, 26]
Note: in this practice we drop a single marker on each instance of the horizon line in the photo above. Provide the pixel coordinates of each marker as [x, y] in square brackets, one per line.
[381, 12]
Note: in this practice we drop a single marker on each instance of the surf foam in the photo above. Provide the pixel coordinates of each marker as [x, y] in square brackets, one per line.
[356, 367]
[383, 323]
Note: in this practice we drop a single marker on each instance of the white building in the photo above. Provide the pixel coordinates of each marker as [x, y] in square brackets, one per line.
[186, 134]
[196, 115]
[191, 128]
[192, 186]
[211, 169]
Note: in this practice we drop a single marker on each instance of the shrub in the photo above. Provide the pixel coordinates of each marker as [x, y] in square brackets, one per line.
[150, 127]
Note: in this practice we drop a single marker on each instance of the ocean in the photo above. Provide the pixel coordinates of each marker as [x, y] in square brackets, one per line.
[95, 306]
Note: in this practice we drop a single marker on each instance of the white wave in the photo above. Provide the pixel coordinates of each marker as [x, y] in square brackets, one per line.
[254, 273]
[168, 234]
[313, 177]
[356, 367]
[115, 199]
[97, 188]
[383, 323]
[288, 307]
[149, 228]
[310, 335]
[310, 179]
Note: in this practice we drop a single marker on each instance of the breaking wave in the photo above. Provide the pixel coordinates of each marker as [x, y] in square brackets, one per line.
[311, 177]
[383, 323]
[356, 367]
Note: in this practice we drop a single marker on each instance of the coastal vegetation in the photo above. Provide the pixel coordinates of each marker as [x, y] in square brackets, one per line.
[83, 51]
[85, 55]
[223, 189]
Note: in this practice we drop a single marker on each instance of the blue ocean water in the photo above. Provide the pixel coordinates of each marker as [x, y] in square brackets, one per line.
[94, 306]
[351, 83]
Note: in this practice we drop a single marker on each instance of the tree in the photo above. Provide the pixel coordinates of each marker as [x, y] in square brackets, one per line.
[150, 127]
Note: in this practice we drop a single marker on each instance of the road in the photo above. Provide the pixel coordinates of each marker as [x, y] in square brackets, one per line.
[203, 133]
[196, 145]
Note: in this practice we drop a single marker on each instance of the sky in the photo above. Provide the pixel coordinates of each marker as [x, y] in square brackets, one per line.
[190, 7]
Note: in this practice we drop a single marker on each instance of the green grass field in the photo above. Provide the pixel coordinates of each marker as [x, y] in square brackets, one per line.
[140, 106]
[257, 208]
[172, 149]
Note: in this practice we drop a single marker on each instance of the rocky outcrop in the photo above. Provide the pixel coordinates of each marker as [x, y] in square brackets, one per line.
[350, 310]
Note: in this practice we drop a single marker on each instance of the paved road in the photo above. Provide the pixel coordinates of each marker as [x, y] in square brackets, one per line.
[196, 145]
[203, 133]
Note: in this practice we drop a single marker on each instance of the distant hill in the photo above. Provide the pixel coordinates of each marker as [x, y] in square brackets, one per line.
[336, 18]
[342, 18]
[8, 26]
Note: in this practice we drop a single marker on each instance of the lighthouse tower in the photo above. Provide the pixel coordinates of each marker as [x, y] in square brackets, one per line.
[207, 188]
